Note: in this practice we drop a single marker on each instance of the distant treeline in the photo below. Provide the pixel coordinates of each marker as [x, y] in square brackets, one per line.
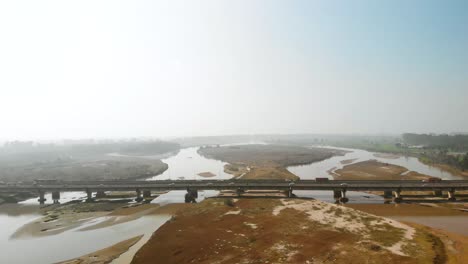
[455, 142]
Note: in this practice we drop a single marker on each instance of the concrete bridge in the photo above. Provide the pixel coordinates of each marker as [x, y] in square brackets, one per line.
[143, 189]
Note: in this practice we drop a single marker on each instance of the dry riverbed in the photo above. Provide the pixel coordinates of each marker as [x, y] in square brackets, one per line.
[288, 231]
[375, 170]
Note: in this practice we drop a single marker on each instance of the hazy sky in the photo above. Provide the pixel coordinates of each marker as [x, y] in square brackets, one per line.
[181, 68]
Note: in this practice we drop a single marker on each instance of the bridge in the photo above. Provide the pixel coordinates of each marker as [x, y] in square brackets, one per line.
[391, 188]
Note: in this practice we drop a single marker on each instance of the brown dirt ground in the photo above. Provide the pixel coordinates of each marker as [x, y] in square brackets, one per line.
[405, 210]
[277, 173]
[105, 255]
[266, 161]
[455, 246]
[204, 233]
[375, 170]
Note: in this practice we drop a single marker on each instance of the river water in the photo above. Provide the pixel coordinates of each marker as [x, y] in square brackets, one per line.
[186, 164]
[320, 169]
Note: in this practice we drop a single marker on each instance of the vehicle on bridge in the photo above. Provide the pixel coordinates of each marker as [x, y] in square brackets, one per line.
[321, 179]
[45, 181]
[432, 179]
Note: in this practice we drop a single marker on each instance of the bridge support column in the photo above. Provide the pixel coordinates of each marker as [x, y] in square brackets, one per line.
[388, 194]
[397, 196]
[146, 194]
[343, 198]
[191, 196]
[451, 195]
[138, 195]
[89, 195]
[56, 197]
[289, 193]
[336, 194]
[340, 196]
[239, 191]
[42, 198]
[100, 194]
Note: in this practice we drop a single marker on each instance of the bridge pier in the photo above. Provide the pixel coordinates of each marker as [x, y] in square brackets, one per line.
[42, 198]
[138, 196]
[289, 193]
[451, 195]
[240, 191]
[89, 195]
[100, 194]
[437, 193]
[146, 194]
[56, 197]
[191, 196]
[388, 194]
[397, 196]
[340, 196]
[343, 198]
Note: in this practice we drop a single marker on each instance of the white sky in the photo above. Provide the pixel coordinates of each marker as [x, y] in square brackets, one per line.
[186, 68]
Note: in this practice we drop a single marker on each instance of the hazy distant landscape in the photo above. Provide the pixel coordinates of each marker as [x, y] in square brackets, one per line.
[27, 161]
[234, 132]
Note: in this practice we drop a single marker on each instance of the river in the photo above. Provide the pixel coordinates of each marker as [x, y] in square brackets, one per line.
[186, 164]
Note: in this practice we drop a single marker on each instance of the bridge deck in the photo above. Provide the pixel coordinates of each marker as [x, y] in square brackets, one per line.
[168, 185]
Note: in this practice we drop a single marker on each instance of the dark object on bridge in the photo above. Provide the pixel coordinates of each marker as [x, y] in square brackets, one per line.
[437, 193]
[191, 196]
[432, 179]
[321, 179]
[45, 181]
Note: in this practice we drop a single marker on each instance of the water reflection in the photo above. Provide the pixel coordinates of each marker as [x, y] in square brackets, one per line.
[50, 249]
[187, 164]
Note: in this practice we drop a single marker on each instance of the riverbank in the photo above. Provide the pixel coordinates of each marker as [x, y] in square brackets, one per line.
[285, 231]
[445, 221]
[89, 216]
[449, 169]
[106, 255]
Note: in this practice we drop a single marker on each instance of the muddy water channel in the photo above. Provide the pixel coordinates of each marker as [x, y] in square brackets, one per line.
[325, 167]
[187, 164]
[66, 245]
[322, 168]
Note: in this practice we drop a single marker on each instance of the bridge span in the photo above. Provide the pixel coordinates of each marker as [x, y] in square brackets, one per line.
[391, 189]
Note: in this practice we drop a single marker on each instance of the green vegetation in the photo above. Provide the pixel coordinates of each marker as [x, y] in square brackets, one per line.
[454, 142]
